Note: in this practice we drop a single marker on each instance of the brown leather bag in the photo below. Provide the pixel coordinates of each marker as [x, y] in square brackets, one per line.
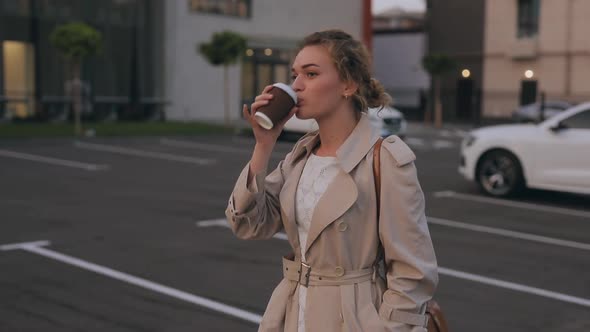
[436, 319]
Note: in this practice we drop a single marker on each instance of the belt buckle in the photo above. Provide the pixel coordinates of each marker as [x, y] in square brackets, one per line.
[306, 284]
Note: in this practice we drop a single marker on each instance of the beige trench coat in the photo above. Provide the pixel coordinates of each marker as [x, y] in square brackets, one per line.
[343, 237]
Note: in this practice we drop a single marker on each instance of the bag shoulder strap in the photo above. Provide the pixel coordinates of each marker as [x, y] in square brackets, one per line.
[377, 178]
[377, 174]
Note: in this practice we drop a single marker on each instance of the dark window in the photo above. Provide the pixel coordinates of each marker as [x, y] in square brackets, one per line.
[528, 92]
[239, 8]
[578, 121]
[528, 18]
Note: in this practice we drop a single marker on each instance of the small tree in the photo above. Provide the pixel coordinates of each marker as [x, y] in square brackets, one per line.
[76, 41]
[225, 48]
[437, 65]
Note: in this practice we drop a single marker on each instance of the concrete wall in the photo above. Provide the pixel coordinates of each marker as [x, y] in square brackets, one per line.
[397, 64]
[196, 88]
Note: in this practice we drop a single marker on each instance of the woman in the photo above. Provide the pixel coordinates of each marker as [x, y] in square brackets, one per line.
[323, 196]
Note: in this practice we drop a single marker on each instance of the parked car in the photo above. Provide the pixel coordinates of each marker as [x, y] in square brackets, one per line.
[552, 155]
[532, 112]
[389, 121]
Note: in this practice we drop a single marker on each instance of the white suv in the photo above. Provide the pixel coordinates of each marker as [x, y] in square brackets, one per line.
[553, 155]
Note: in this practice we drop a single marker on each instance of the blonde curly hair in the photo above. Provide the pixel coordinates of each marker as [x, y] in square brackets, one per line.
[352, 62]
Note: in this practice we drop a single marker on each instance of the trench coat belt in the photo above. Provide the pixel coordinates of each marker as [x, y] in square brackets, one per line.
[305, 275]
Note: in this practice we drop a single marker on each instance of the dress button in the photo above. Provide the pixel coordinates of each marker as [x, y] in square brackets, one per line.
[391, 139]
[339, 271]
[342, 226]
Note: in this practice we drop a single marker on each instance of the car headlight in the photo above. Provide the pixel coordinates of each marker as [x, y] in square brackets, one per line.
[469, 140]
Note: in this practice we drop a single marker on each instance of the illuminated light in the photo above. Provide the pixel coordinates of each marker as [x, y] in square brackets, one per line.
[249, 52]
[529, 74]
[466, 73]
[268, 52]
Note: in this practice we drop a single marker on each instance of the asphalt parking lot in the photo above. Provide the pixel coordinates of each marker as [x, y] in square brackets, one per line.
[127, 234]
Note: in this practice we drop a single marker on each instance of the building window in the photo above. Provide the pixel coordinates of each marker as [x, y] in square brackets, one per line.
[528, 18]
[239, 8]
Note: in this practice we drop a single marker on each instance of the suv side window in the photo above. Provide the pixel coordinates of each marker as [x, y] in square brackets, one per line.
[578, 121]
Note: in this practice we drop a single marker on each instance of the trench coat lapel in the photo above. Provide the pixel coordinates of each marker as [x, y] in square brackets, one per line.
[342, 192]
[287, 199]
[337, 199]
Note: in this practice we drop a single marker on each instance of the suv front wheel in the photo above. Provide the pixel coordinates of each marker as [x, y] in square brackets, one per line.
[499, 174]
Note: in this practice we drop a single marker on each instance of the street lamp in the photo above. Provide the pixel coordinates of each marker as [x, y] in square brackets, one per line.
[466, 73]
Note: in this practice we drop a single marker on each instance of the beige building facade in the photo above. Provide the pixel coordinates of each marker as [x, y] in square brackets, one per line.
[533, 47]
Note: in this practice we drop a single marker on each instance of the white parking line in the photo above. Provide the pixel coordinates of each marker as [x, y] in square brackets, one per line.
[514, 286]
[445, 133]
[53, 161]
[436, 144]
[213, 222]
[467, 276]
[143, 153]
[36, 248]
[461, 133]
[508, 233]
[497, 201]
[414, 141]
[21, 245]
[454, 224]
[204, 146]
[442, 144]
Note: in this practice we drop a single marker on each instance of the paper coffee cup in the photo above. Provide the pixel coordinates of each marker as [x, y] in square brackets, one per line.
[277, 108]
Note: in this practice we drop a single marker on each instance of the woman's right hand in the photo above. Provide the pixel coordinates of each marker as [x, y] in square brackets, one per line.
[265, 137]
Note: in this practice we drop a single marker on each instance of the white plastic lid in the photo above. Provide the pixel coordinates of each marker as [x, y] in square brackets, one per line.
[288, 90]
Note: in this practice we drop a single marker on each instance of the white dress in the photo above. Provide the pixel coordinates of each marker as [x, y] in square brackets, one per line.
[317, 175]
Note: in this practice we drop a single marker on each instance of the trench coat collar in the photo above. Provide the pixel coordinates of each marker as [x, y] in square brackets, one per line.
[352, 151]
[342, 192]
